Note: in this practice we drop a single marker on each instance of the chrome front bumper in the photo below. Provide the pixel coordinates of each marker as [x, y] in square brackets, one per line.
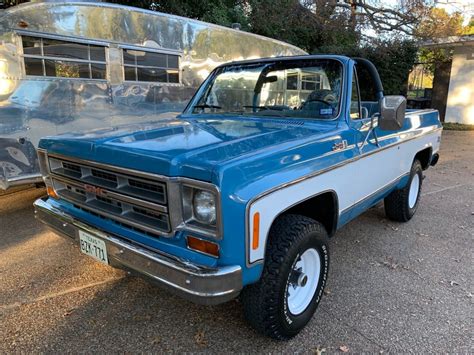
[196, 283]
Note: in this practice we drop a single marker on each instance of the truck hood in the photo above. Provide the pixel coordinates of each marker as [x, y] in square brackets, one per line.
[190, 147]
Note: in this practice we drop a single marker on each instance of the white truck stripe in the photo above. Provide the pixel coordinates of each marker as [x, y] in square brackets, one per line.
[352, 182]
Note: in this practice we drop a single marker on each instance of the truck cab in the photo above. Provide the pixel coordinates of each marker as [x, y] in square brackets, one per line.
[239, 194]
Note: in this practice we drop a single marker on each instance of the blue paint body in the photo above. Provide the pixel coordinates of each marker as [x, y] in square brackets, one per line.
[243, 156]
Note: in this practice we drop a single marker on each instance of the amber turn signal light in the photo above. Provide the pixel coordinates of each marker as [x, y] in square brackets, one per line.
[52, 193]
[203, 246]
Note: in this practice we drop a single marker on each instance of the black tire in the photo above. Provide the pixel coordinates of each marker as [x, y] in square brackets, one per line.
[265, 302]
[397, 206]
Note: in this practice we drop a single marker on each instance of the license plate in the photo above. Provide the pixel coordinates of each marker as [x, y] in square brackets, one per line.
[94, 247]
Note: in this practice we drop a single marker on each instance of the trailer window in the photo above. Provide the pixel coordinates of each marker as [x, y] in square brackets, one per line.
[292, 81]
[65, 59]
[306, 81]
[310, 81]
[150, 66]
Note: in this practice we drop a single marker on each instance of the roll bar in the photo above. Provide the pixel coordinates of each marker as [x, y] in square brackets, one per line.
[367, 64]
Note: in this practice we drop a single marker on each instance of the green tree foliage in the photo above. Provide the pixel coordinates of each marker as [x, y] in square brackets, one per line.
[393, 58]
[438, 24]
[293, 25]
[434, 27]
[300, 24]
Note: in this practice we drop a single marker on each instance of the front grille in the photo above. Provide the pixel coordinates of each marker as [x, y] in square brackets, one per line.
[137, 202]
[143, 188]
[72, 167]
[143, 185]
[103, 175]
[122, 224]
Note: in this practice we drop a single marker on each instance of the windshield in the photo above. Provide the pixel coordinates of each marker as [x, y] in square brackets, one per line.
[296, 89]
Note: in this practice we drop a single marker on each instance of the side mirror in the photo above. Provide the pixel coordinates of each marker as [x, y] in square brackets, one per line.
[392, 113]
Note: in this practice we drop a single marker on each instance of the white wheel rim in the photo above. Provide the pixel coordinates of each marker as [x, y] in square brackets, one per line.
[414, 189]
[299, 296]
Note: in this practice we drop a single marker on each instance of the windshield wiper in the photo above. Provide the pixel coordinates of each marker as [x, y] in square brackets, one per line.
[207, 106]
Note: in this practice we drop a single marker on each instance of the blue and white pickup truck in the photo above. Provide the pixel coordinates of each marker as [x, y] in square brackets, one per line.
[239, 194]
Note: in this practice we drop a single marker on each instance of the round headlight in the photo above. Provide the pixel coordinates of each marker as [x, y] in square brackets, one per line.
[204, 205]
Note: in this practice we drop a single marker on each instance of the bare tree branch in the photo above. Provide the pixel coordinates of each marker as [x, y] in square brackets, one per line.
[403, 19]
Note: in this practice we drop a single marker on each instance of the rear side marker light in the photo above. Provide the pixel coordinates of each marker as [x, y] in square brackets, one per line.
[203, 246]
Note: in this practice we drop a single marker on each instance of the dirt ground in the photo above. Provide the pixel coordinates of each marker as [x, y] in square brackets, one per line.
[392, 287]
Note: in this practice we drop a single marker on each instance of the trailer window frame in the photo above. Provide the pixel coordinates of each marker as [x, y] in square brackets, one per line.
[165, 52]
[91, 64]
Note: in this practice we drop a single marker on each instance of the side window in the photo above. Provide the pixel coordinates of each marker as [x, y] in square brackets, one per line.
[367, 92]
[65, 59]
[355, 98]
[150, 66]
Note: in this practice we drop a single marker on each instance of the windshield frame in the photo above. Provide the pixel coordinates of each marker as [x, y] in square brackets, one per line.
[207, 84]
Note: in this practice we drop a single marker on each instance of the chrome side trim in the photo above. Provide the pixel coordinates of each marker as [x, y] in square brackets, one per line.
[197, 283]
[64, 79]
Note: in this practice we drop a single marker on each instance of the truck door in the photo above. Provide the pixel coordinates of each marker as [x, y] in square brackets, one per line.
[377, 166]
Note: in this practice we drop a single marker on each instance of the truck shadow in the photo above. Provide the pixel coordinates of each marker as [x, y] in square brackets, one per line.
[17, 222]
[132, 313]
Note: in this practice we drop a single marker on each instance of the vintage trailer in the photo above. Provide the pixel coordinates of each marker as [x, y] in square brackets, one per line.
[80, 65]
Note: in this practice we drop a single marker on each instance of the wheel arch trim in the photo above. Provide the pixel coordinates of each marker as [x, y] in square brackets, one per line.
[335, 201]
[424, 156]
[264, 240]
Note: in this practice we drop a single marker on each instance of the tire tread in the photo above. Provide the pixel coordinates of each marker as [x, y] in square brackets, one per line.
[396, 204]
[286, 231]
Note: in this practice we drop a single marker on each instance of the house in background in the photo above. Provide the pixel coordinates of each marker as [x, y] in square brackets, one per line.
[453, 88]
